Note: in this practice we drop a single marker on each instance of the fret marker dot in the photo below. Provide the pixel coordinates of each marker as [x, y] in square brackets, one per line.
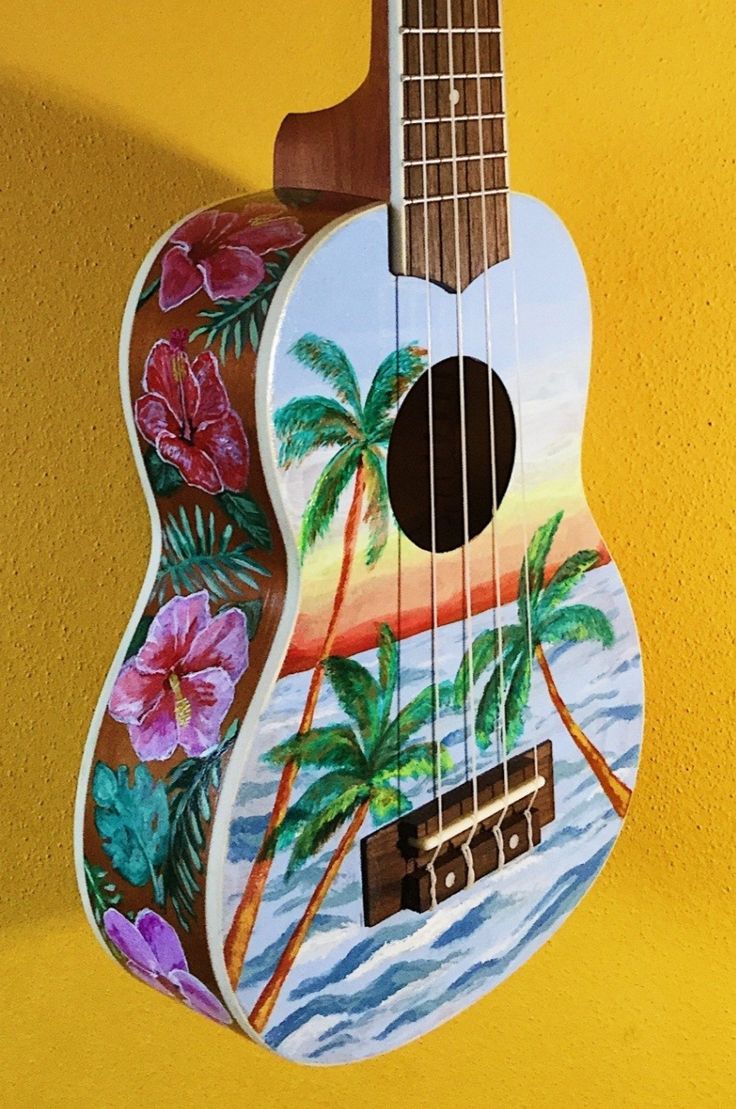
[454, 97]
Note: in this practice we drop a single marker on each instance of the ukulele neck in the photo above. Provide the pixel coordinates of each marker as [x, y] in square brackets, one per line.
[449, 166]
[426, 131]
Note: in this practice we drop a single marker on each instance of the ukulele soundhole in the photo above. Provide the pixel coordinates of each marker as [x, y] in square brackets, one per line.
[409, 455]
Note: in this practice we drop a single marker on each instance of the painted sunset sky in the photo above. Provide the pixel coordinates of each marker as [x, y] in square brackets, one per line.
[347, 294]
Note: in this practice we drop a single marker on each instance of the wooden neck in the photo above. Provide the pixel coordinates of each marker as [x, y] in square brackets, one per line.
[426, 131]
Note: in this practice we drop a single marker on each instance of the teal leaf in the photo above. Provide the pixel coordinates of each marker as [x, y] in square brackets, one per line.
[396, 374]
[133, 824]
[195, 557]
[493, 696]
[164, 478]
[307, 424]
[102, 893]
[377, 505]
[323, 503]
[531, 578]
[569, 574]
[487, 650]
[577, 623]
[330, 361]
[245, 511]
[517, 700]
[358, 693]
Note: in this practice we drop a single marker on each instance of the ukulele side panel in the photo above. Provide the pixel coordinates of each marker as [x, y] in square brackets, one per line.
[202, 630]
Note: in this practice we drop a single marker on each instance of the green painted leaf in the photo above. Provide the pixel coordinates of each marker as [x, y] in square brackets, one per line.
[577, 623]
[531, 578]
[358, 693]
[330, 361]
[164, 478]
[388, 803]
[308, 424]
[494, 692]
[198, 557]
[133, 823]
[517, 700]
[103, 894]
[569, 574]
[396, 374]
[148, 292]
[377, 505]
[486, 651]
[248, 515]
[333, 746]
[253, 612]
[315, 833]
[388, 671]
[417, 714]
[323, 503]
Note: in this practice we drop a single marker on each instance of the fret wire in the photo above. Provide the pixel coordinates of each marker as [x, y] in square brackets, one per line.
[455, 77]
[455, 196]
[409, 122]
[447, 31]
[460, 158]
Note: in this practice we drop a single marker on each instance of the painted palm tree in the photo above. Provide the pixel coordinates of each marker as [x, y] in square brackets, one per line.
[543, 621]
[360, 432]
[364, 762]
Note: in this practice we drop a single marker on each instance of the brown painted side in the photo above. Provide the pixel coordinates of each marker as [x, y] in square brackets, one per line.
[387, 859]
[314, 211]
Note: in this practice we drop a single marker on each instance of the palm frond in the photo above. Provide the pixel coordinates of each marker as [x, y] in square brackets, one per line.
[576, 623]
[197, 557]
[307, 424]
[531, 578]
[493, 696]
[190, 787]
[569, 574]
[488, 647]
[330, 361]
[357, 692]
[388, 803]
[333, 746]
[517, 700]
[417, 714]
[377, 505]
[235, 323]
[322, 505]
[315, 833]
[418, 761]
[396, 374]
[388, 671]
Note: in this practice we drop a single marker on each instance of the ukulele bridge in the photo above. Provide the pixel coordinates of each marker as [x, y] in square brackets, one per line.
[415, 864]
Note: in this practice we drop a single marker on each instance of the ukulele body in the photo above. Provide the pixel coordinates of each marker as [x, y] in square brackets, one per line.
[337, 929]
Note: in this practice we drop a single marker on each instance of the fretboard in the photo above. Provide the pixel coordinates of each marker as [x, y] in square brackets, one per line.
[450, 187]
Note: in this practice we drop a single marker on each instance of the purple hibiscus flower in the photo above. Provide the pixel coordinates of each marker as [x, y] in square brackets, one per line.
[153, 952]
[179, 687]
[222, 252]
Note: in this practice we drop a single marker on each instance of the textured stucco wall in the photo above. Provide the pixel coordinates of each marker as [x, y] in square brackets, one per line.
[119, 118]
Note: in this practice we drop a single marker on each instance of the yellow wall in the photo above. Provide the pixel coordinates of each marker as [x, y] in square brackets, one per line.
[117, 119]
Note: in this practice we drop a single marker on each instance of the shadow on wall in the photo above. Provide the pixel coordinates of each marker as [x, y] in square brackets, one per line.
[83, 201]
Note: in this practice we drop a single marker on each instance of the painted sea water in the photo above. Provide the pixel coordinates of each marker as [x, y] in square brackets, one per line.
[355, 992]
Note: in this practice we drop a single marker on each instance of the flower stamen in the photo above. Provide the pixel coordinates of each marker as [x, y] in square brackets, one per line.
[182, 706]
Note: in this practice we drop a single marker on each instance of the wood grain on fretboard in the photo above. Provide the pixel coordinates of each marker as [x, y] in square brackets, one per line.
[455, 164]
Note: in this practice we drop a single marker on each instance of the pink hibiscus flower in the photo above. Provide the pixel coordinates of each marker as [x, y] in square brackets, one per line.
[178, 689]
[223, 252]
[185, 413]
[153, 952]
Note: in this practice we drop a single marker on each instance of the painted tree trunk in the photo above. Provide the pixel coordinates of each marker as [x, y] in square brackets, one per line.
[264, 1006]
[241, 929]
[615, 790]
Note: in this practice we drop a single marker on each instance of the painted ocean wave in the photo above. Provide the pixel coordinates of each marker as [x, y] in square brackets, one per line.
[353, 991]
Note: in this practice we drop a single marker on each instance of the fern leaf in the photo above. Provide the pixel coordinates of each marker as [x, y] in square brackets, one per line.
[197, 558]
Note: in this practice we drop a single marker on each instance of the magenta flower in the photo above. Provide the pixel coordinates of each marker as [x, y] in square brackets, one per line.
[223, 252]
[185, 413]
[178, 689]
[153, 952]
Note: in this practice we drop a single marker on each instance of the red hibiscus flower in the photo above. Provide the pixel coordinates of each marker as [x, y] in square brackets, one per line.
[223, 252]
[186, 415]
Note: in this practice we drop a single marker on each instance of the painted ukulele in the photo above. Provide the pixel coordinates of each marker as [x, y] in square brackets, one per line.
[375, 723]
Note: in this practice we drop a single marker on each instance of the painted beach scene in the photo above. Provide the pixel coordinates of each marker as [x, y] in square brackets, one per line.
[408, 675]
